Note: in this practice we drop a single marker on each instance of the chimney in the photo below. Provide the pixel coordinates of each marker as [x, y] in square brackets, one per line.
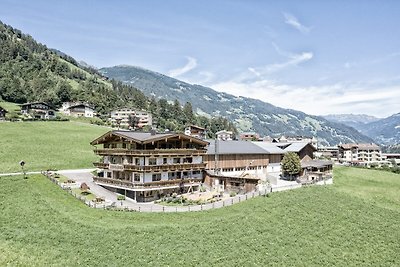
[153, 132]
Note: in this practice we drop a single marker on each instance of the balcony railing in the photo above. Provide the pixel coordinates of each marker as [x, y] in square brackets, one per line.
[152, 152]
[151, 168]
[158, 184]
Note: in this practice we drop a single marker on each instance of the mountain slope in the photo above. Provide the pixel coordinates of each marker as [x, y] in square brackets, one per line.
[247, 113]
[385, 131]
[357, 121]
[29, 71]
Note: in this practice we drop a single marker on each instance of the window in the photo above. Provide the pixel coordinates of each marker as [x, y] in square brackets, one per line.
[165, 160]
[188, 160]
[177, 160]
[123, 145]
[156, 177]
[136, 177]
[152, 161]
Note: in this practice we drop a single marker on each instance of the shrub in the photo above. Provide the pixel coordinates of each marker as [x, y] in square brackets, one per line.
[121, 197]
[232, 194]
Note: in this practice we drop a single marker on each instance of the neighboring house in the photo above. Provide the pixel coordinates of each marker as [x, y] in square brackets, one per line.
[315, 170]
[195, 131]
[38, 110]
[78, 109]
[3, 113]
[360, 154]
[224, 135]
[121, 116]
[305, 150]
[328, 152]
[249, 136]
[81, 110]
[146, 166]
[239, 165]
[293, 139]
[391, 158]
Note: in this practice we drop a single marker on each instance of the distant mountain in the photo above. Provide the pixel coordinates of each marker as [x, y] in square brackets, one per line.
[384, 131]
[356, 121]
[247, 114]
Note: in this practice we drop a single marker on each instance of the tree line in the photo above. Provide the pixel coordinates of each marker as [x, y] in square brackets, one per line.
[29, 72]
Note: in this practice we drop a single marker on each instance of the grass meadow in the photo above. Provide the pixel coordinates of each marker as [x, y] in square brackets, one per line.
[47, 144]
[354, 222]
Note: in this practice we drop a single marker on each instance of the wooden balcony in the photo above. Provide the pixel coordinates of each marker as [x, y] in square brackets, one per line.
[101, 165]
[152, 168]
[187, 181]
[152, 152]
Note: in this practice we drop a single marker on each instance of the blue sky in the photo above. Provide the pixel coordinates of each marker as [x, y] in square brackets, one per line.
[319, 57]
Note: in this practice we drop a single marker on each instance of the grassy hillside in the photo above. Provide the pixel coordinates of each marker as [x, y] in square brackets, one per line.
[44, 145]
[340, 225]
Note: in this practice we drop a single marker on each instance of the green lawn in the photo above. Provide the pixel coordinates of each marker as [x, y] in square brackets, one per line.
[9, 106]
[347, 224]
[44, 145]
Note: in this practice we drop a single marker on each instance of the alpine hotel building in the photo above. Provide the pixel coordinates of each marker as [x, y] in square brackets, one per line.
[148, 165]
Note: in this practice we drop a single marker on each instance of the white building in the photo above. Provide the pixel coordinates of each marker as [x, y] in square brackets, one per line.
[360, 154]
[224, 135]
[78, 109]
[122, 116]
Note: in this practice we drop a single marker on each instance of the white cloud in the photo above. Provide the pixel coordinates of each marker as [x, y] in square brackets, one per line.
[294, 60]
[294, 22]
[319, 100]
[191, 64]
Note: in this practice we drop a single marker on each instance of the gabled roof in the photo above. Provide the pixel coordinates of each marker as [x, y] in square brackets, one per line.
[298, 146]
[270, 148]
[33, 103]
[360, 146]
[81, 105]
[196, 127]
[224, 132]
[145, 137]
[234, 147]
[316, 163]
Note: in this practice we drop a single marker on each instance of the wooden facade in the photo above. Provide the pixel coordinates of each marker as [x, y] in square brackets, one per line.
[38, 110]
[147, 166]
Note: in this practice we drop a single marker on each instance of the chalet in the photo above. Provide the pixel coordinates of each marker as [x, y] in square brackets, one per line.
[81, 110]
[238, 165]
[78, 109]
[38, 110]
[122, 116]
[3, 113]
[195, 131]
[360, 154]
[249, 136]
[224, 135]
[148, 165]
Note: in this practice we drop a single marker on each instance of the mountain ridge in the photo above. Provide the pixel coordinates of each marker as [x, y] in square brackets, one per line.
[247, 113]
